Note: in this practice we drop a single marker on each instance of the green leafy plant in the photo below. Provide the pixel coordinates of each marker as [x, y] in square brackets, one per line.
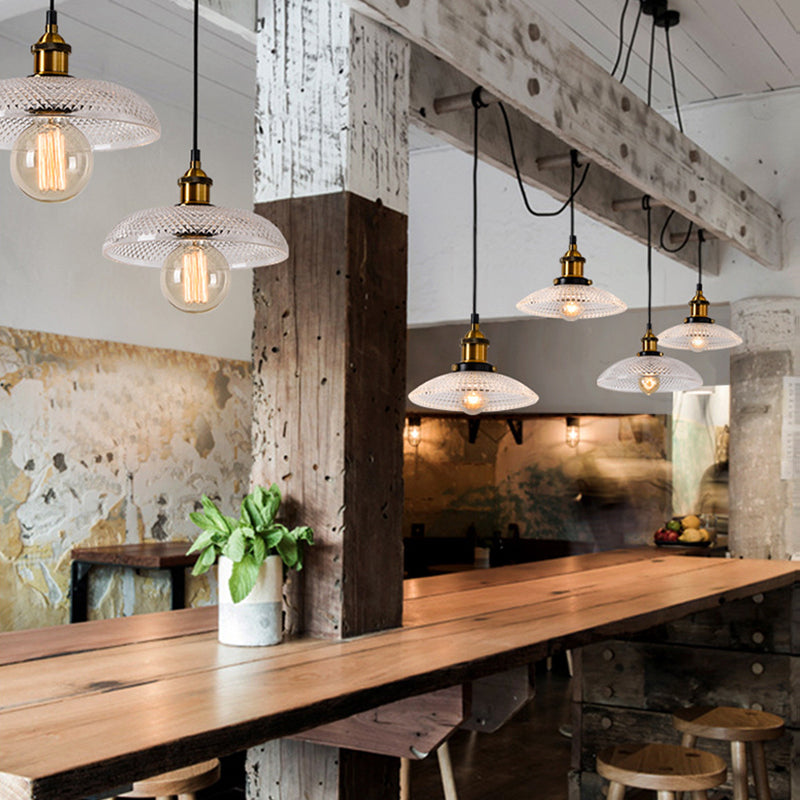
[248, 540]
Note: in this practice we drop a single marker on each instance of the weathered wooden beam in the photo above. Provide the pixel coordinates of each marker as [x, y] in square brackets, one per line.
[433, 78]
[517, 55]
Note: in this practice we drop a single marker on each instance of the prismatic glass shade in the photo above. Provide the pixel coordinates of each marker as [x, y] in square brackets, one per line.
[571, 302]
[148, 237]
[110, 116]
[473, 392]
[649, 374]
[699, 337]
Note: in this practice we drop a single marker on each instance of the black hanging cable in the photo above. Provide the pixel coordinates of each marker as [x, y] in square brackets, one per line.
[672, 79]
[52, 17]
[573, 165]
[650, 62]
[621, 45]
[647, 208]
[573, 191]
[630, 46]
[477, 104]
[701, 237]
[195, 149]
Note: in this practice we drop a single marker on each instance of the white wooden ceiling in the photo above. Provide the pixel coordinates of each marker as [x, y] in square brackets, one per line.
[721, 47]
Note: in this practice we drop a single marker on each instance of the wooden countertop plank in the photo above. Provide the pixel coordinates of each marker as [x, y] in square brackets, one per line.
[16, 646]
[148, 555]
[76, 746]
[458, 581]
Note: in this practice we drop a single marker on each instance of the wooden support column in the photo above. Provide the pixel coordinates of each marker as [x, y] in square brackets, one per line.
[329, 342]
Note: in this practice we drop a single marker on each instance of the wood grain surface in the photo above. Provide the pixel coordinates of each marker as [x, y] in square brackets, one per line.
[152, 555]
[187, 698]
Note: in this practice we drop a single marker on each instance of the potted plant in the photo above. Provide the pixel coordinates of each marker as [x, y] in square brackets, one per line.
[251, 552]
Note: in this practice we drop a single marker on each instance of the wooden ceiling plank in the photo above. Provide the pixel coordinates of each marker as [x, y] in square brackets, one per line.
[431, 78]
[519, 57]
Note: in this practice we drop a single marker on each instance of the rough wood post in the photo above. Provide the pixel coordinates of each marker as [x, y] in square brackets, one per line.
[329, 342]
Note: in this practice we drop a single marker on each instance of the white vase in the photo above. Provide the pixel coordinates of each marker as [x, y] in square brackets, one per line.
[257, 620]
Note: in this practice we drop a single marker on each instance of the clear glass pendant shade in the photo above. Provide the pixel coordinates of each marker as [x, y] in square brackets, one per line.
[571, 302]
[110, 116]
[148, 237]
[699, 336]
[473, 392]
[649, 374]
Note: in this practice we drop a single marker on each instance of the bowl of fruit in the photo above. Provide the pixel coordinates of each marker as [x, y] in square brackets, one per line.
[683, 532]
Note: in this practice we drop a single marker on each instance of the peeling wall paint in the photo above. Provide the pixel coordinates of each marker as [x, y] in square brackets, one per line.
[104, 443]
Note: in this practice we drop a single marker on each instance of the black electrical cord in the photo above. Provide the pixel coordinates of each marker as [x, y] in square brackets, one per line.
[573, 191]
[672, 79]
[621, 45]
[650, 62]
[195, 149]
[52, 17]
[646, 206]
[701, 237]
[477, 104]
[630, 46]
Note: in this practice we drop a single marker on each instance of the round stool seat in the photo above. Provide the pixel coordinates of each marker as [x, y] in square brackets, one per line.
[728, 724]
[661, 767]
[186, 780]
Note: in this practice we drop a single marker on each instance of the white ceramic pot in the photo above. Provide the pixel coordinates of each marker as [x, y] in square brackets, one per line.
[257, 620]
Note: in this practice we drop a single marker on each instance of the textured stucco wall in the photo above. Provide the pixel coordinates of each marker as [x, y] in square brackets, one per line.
[104, 443]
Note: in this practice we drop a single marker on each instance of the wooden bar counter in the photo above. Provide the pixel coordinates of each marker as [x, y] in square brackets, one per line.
[86, 709]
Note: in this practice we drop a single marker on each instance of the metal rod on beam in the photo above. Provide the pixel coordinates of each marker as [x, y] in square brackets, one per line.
[634, 204]
[458, 102]
[553, 162]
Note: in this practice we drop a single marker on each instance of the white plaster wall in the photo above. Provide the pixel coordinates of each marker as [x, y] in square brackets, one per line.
[755, 137]
[53, 276]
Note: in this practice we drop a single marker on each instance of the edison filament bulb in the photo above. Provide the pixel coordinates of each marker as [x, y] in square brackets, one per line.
[698, 342]
[195, 277]
[571, 310]
[649, 384]
[51, 160]
[473, 402]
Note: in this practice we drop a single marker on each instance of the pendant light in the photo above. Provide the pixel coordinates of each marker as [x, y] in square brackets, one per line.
[698, 331]
[195, 244]
[649, 370]
[473, 385]
[52, 121]
[572, 296]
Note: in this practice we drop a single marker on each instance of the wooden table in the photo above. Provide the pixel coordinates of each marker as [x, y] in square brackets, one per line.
[143, 555]
[88, 708]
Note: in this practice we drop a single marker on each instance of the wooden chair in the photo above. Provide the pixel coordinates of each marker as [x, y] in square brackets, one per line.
[744, 728]
[180, 783]
[663, 768]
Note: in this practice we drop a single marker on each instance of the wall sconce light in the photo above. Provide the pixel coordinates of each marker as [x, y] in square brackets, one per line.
[414, 430]
[573, 434]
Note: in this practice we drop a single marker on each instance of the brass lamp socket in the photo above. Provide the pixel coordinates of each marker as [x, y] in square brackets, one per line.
[474, 351]
[698, 309]
[572, 267]
[51, 53]
[195, 186]
[649, 344]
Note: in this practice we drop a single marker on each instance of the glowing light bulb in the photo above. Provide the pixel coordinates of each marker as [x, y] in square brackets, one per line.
[649, 383]
[571, 309]
[473, 401]
[195, 277]
[698, 342]
[51, 160]
[573, 434]
[414, 432]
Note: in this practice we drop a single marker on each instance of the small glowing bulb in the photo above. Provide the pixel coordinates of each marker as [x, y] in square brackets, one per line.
[473, 402]
[195, 277]
[649, 383]
[571, 309]
[698, 342]
[573, 435]
[414, 432]
[51, 160]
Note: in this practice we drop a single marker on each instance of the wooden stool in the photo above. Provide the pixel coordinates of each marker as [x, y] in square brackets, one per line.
[662, 768]
[180, 783]
[445, 772]
[739, 726]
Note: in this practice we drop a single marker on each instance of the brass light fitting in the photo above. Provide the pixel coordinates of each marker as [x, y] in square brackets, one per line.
[51, 52]
[698, 308]
[572, 266]
[649, 344]
[195, 185]
[474, 350]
